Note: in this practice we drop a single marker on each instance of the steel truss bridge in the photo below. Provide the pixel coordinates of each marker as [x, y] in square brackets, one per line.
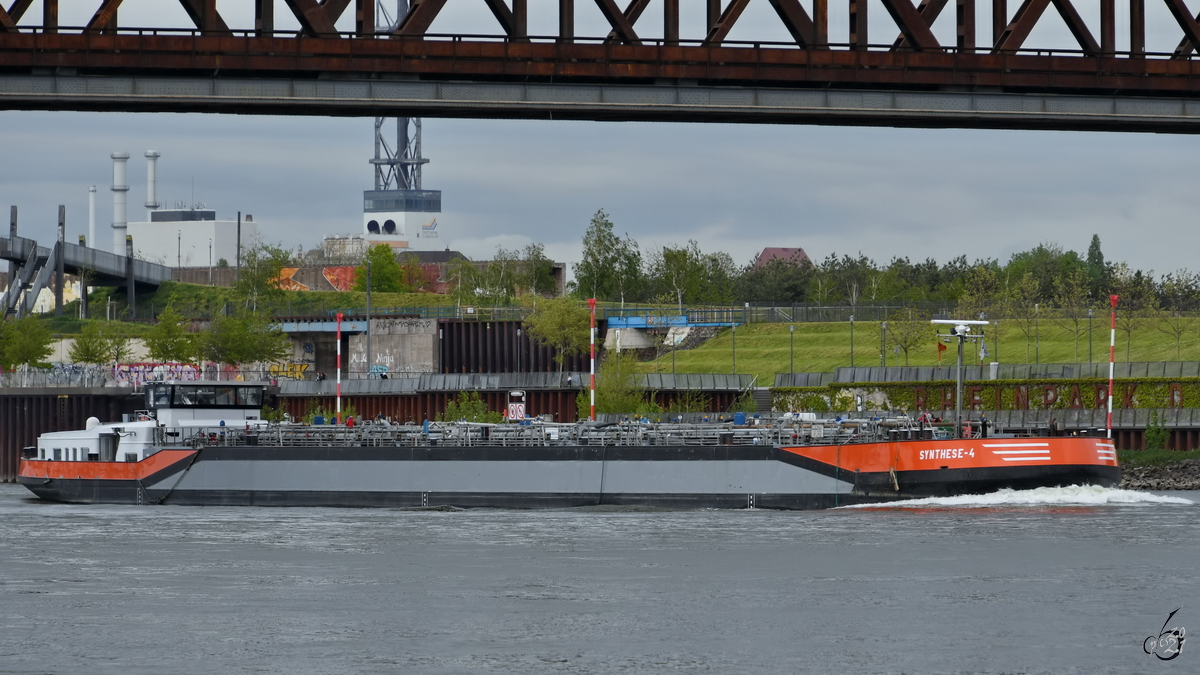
[909, 79]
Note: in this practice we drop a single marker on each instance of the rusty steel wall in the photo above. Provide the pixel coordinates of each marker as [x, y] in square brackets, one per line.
[493, 347]
[27, 413]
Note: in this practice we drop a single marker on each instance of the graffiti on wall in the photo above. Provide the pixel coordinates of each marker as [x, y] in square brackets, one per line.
[341, 278]
[288, 371]
[136, 374]
[287, 281]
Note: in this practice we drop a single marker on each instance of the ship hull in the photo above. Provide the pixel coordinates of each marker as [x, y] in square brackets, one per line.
[805, 477]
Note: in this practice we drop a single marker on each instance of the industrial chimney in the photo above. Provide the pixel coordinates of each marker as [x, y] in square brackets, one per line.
[91, 237]
[119, 187]
[151, 182]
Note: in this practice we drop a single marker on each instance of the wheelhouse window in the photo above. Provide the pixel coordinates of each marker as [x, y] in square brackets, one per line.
[250, 397]
[158, 396]
[206, 396]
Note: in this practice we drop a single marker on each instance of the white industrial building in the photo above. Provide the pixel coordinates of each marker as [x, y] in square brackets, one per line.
[190, 237]
[179, 237]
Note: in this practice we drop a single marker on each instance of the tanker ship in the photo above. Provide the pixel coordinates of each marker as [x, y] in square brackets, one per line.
[202, 443]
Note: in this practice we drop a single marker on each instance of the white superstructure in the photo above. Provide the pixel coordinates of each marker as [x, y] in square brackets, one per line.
[174, 411]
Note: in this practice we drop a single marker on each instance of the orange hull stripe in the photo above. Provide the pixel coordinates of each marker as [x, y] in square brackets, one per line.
[963, 453]
[41, 468]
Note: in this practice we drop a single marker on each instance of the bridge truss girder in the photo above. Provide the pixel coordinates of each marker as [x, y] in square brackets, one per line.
[318, 18]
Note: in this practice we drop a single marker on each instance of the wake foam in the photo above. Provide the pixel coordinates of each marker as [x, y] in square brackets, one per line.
[1075, 495]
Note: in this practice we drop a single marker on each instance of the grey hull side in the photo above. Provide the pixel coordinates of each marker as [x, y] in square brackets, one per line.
[499, 477]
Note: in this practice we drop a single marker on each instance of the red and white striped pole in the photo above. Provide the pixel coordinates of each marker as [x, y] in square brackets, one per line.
[592, 386]
[339, 367]
[1112, 358]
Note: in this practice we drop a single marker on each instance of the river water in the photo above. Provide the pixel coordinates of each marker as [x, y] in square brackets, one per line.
[1051, 581]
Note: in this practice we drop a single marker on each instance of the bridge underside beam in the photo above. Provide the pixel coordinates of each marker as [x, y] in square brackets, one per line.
[657, 102]
[434, 59]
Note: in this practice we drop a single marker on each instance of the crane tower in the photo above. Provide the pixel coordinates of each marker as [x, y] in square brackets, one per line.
[399, 207]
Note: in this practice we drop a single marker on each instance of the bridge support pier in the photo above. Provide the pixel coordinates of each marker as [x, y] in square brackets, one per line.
[130, 286]
[60, 272]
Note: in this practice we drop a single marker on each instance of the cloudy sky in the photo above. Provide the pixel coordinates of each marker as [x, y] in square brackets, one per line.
[736, 188]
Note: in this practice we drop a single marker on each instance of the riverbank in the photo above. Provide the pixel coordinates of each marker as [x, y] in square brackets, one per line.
[1178, 475]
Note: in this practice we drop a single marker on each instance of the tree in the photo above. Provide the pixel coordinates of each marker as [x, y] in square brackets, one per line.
[979, 289]
[561, 324]
[1047, 262]
[120, 345]
[628, 278]
[102, 343]
[779, 280]
[908, 330]
[536, 271]
[245, 337]
[1178, 292]
[1137, 302]
[387, 276]
[679, 271]
[26, 340]
[594, 272]
[1098, 272]
[413, 273]
[498, 282]
[169, 341]
[720, 278]
[469, 406]
[1023, 307]
[90, 346]
[1071, 296]
[464, 278]
[618, 390]
[258, 279]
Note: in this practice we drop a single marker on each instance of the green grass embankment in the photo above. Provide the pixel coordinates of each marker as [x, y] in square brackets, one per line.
[1131, 458]
[763, 349]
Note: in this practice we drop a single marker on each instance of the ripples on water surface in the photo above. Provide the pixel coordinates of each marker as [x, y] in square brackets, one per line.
[1054, 581]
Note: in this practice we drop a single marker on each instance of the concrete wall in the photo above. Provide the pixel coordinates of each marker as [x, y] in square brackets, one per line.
[400, 345]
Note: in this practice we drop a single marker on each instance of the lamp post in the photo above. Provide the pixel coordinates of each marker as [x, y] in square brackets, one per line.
[883, 345]
[851, 340]
[735, 349]
[792, 347]
[1037, 336]
[368, 319]
[1090, 313]
[996, 340]
[518, 350]
[983, 317]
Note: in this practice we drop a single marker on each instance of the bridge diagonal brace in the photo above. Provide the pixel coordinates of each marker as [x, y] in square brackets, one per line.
[1022, 23]
[103, 17]
[204, 14]
[633, 12]
[421, 14]
[9, 19]
[720, 29]
[914, 26]
[503, 14]
[621, 25]
[796, 20]
[929, 10]
[1190, 26]
[318, 19]
[1078, 28]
